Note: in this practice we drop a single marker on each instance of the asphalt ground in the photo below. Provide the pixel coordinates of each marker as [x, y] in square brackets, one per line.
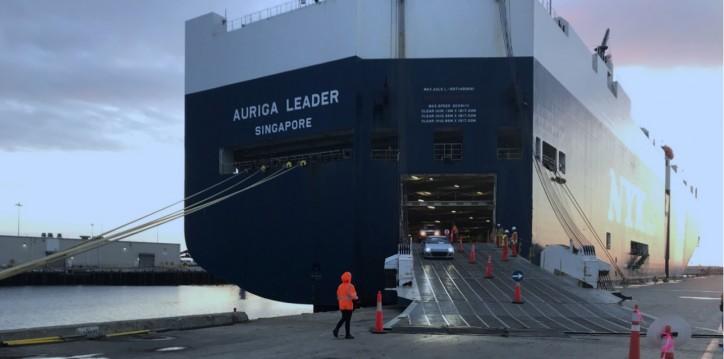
[694, 300]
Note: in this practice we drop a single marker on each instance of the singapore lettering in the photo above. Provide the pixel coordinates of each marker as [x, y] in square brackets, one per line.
[258, 111]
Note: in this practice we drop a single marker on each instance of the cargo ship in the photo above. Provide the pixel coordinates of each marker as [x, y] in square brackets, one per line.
[397, 116]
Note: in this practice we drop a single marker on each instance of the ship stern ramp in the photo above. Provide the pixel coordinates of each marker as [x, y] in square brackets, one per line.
[453, 296]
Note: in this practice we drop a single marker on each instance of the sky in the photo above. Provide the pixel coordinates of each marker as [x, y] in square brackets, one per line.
[92, 104]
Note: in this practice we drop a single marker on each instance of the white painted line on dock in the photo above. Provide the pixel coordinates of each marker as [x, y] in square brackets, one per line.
[712, 348]
[688, 290]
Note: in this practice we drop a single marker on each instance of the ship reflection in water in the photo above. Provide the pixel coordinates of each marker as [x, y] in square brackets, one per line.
[41, 306]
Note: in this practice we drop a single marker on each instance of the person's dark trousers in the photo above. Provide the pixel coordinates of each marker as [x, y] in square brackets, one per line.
[346, 319]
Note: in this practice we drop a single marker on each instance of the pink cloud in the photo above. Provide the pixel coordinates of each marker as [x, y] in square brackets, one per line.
[657, 33]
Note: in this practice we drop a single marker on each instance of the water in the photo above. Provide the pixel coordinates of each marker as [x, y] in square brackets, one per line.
[41, 306]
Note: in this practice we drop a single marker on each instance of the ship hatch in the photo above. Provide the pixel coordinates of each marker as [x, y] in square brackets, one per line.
[436, 202]
[273, 153]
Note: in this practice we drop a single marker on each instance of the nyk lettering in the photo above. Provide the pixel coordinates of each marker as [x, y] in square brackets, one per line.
[626, 204]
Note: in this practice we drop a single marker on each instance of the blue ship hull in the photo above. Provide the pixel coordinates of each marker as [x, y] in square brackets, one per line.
[368, 131]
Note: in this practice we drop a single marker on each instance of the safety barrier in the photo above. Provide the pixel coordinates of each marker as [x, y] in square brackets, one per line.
[634, 349]
[378, 322]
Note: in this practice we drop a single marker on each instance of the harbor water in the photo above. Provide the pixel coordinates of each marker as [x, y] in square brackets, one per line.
[42, 306]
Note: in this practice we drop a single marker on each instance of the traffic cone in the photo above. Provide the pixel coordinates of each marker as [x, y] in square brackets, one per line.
[489, 269]
[634, 350]
[378, 322]
[516, 298]
[472, 254]
[667, 344]
[505, 253]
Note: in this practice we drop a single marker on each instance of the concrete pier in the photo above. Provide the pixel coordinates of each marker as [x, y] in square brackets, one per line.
[107, 276]
[696, 300]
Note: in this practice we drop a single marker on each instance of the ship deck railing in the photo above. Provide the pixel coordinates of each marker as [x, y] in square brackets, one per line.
[269, 13]
[290, 6]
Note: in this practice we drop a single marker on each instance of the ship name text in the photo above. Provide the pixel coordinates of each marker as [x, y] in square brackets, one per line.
[284, 126]
[297, 103]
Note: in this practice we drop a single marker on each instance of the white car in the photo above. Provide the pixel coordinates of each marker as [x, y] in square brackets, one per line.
[429, 230]
[437, 247]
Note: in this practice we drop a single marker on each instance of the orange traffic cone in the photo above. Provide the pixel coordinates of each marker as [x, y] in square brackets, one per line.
[667, 344]
[505, 253]
[634, 350]
[472, 254]
[378, 322]
[489, 269]
[516, 298]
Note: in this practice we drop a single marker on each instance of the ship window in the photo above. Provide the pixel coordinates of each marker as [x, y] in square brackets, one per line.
[274, 154]
[612, 85]
[537, 148]
[510, 143]
[448, 144]
[549, 157]
[562, 24]
[608, 240]
[561, 162]
[639, 249]
[384, 145]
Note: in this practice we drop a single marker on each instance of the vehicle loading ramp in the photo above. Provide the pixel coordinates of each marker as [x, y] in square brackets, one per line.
[454, 296]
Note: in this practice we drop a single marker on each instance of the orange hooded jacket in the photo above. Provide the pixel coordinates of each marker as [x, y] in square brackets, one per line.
[346, 292]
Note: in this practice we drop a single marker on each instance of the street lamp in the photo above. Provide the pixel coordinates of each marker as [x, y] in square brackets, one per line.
[91, 230]
[18, 205]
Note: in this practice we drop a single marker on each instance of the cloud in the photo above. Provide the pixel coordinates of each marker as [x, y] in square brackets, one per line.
[84, 74]
[89, 75]
[654, 33]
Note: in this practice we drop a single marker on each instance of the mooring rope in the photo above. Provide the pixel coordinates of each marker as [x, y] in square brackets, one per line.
[109, 236]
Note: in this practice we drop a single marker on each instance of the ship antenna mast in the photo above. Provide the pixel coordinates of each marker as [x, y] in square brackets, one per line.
[601, 50]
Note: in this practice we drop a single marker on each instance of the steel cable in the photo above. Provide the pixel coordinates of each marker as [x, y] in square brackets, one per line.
[102, 240]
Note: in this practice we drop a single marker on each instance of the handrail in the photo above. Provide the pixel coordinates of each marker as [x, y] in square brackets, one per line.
[548, 5]
[269, 13]
[289, 6]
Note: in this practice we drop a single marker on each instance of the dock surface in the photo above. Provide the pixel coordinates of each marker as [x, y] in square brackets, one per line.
[557, 320]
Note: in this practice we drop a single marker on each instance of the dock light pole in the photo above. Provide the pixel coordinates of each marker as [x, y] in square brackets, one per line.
[18, 205]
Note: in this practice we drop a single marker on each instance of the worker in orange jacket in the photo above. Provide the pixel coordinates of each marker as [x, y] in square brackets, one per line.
[499, 236]
[346, 294]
